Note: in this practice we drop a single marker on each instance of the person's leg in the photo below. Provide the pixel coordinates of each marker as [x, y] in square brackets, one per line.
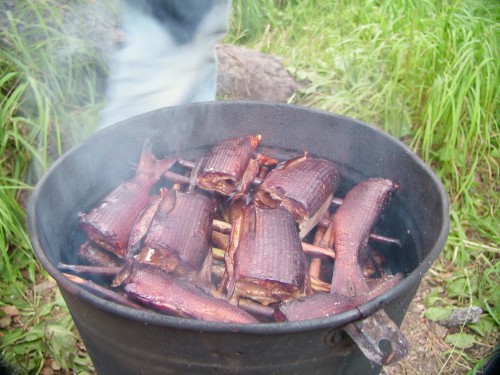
[168, 58]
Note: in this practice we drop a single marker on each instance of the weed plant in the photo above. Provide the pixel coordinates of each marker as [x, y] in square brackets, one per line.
[425, 71]
[49, 87]
[428, 73]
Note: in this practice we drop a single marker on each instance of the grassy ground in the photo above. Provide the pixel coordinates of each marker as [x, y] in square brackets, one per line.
[425, 71]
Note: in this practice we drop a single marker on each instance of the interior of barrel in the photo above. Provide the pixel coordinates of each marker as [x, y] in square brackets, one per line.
[81, 179]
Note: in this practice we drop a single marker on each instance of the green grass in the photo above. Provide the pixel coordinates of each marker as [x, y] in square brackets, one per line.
[48, 88]
[428, 73]
[425, 71]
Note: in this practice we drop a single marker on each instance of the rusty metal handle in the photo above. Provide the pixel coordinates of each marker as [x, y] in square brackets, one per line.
[379, 338]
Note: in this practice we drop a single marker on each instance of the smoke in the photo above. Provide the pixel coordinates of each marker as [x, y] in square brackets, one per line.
[97, 63]
[90, 64]
[57, 58]
[91, 35]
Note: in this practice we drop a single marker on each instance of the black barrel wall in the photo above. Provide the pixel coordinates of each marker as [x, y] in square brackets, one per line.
[121, 340]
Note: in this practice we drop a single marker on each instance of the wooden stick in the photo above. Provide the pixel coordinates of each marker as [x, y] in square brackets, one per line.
[177, 178]
[257, 181]
[319, 285]
[223, 227]
[308, 248]
[103, 292]
[93, 270]
[315, 264]
[324, 223]
[317, 250]
[255, 308]
[218, 253]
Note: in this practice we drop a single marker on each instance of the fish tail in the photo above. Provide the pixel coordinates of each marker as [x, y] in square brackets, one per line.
[149, 165]
[349, 281]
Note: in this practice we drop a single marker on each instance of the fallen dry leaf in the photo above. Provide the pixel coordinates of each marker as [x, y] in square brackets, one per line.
[45, 286]
[10, 310]
[5, 321]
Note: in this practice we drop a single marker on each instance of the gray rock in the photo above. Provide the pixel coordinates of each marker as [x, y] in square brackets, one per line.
[248, 74]
[462, 316]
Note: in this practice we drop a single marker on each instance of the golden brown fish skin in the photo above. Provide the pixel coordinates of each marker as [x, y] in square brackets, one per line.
[350, 229]
[163, 259]
[300, 185]
[141, 225]
[110, 222]
[224, 166]
[235, 215]
[182, 230]
[269, 262]
[380, 286]
[158, 289]
[246, 179]
[318, 305]
[256, 167]
[92, 254]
